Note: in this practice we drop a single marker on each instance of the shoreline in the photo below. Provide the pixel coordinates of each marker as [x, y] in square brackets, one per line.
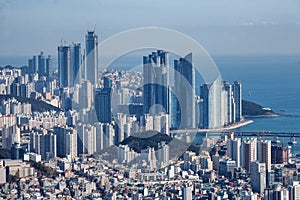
[227, 128]
[262, 116]
[239, 124]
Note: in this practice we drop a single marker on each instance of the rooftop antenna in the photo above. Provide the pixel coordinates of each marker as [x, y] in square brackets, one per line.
[94, 27]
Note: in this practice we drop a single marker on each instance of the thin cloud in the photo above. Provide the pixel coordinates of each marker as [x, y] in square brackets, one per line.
[259, 23]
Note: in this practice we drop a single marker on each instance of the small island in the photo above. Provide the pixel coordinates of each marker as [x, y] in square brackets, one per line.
[251, 109]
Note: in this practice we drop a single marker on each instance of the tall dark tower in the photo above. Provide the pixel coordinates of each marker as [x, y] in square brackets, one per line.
[91, 56]
[156, 82]
[69, 61]
[41, 65]
[48, 66]
[75, 59]
[185, 92]
[64, 66]
[103, 102]
[32, 65]
[237, 94]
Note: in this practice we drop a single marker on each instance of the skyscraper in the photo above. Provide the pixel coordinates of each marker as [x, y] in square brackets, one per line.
[49, 145]
[149, 156]
[99, 137]
[75, 63]
[221, 104]
[276, 191]
[48, 66]
[248, 152]
[174, 111]
[2, 175]
[296, 190]
[212, 104]
[156, 82]
[230, 102]
[66, 141]
[32, 65]
[234, 150]
[205, 160]
[109, 134]
[69, 61]
[161, 123]
[187, 193]
[226, 168]
[103, 103]
[120, 132]
[25, 90]
[41, 65]
[86, 94]
[237, 94]
[279, 154]
[146, 122]
[264, 153]
[163, 154]
[185, 91]
[18, 151]
[258, 176]
[44, 143]
[91, 45]
[86, 143]
[10, 135]
[64, 66]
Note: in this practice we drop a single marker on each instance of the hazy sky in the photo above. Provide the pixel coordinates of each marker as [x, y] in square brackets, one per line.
[221, 26]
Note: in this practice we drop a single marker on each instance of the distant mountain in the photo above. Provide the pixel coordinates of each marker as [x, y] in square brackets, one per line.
[36, 105]
[251, 109]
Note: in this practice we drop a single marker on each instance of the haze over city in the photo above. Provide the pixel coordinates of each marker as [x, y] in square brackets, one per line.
[222, 27]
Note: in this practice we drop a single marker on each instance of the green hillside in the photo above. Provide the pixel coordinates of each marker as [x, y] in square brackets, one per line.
[253, 109]
[151, 139]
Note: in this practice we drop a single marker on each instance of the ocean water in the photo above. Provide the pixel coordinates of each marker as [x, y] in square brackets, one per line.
[272, 81]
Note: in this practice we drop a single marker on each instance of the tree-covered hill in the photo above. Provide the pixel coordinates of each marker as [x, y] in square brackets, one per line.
[151, 139]
[252, 109]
